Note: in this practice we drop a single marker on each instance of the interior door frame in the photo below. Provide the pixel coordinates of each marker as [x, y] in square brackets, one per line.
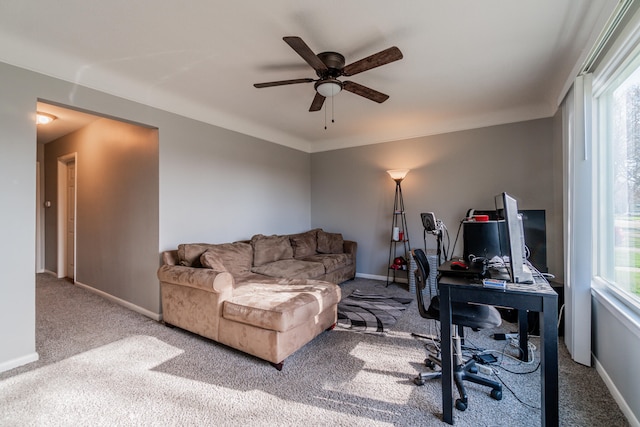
[39, 220]
[62, 213]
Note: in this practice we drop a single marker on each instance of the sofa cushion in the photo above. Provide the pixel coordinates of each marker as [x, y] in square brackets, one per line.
[267, 249]
[247, 277]
[304, 244]
[189, 253]
[233, 257]
[331, 262]
[291, 268]
[330, 243]
[210, 259]
[280, 305]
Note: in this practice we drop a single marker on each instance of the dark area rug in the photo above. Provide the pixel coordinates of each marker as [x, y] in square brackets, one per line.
[368, 312]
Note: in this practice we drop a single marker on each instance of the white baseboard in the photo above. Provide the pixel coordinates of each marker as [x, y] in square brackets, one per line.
[371, 276]
[50, 273]
[378, 277]
[14, 363]
[617, 396]
[155, 316]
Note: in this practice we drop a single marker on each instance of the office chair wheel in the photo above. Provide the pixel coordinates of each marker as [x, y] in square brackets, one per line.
[418, 380]
[460, 405]
[429, 363]
[496, 394]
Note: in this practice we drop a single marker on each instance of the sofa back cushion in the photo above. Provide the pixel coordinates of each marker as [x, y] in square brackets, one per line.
[268, 249]
[330, 243]
[212, 261]
[304, 244]
[189, 253]
[291, 269]
[232, 257]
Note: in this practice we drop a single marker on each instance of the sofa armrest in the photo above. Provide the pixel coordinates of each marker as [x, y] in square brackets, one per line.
[350, 247]
[170, 257]
[192, 298]
[198, 278]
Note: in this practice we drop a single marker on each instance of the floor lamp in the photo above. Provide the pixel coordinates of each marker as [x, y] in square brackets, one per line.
[399, 232]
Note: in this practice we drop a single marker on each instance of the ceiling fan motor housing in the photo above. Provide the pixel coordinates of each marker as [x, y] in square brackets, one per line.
[334, 62]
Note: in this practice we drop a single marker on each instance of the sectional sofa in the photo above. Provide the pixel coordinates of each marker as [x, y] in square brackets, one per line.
[267, 296]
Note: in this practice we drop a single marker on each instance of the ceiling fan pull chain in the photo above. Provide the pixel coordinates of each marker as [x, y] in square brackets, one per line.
[325, 116]
[332, 109]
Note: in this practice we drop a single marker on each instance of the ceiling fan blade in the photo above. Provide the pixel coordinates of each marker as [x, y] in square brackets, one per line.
[283, 82]
[368, 93]
[318, 100]
[305, 52]
[377, 59]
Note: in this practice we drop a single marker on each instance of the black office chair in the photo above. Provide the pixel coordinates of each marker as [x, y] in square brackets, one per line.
[475, 316]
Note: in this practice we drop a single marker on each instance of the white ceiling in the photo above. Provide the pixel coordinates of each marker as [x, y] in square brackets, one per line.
[466, 64]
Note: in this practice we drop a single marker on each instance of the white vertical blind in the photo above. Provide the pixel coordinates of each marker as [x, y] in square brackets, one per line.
[578, 238]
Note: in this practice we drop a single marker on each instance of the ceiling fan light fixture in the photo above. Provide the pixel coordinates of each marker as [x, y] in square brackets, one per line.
[44, 118]
[329, 88]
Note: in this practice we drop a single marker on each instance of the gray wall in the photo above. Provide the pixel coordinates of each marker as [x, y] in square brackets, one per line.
[220, 186]
[17, 227]
[450, 173]
[117, 209]
[616, 347]
[214, 185]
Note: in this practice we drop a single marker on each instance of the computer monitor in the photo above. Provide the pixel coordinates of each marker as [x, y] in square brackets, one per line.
[507, 208]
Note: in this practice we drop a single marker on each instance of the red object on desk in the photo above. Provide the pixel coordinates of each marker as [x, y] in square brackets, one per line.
[459, 265]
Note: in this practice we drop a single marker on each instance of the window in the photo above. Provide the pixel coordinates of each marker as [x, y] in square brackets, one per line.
[618, 184]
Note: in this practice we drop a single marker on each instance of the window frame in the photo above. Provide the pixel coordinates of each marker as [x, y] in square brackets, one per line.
[613, 72]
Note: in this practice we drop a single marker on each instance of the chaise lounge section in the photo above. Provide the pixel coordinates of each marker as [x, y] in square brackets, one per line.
[266, 297]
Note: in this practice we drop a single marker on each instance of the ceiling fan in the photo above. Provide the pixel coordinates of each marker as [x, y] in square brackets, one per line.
[330, 66]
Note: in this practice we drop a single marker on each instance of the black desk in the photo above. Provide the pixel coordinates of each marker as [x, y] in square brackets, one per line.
[539, 297]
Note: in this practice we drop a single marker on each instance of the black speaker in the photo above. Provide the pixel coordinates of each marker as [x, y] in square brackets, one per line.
[483, 239]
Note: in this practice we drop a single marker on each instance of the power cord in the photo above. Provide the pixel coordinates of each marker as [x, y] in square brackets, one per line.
[457, 235]
[560, 315]
[433, 338]
[470, 349]
[447, 246]
[514, 394]
[513, 341]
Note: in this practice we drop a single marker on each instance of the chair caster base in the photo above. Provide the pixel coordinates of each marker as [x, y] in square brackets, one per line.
[418, 380]
[461, 405]
[496, 394]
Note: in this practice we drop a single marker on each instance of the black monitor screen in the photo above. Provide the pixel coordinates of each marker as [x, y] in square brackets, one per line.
[535, 235]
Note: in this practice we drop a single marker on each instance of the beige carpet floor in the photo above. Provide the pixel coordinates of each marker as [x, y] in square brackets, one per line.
[104, 365]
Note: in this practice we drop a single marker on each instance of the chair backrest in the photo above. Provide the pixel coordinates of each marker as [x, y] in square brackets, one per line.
[423, 283]
[476, 316]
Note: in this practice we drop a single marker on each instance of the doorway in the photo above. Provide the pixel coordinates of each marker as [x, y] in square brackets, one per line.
[67, 165]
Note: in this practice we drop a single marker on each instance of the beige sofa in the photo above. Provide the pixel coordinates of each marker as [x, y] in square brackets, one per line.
[267, 297]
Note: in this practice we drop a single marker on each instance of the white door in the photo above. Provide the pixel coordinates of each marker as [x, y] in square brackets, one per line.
[71, 218]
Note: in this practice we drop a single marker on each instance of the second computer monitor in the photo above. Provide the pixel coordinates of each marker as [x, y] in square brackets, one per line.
[507, 208]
